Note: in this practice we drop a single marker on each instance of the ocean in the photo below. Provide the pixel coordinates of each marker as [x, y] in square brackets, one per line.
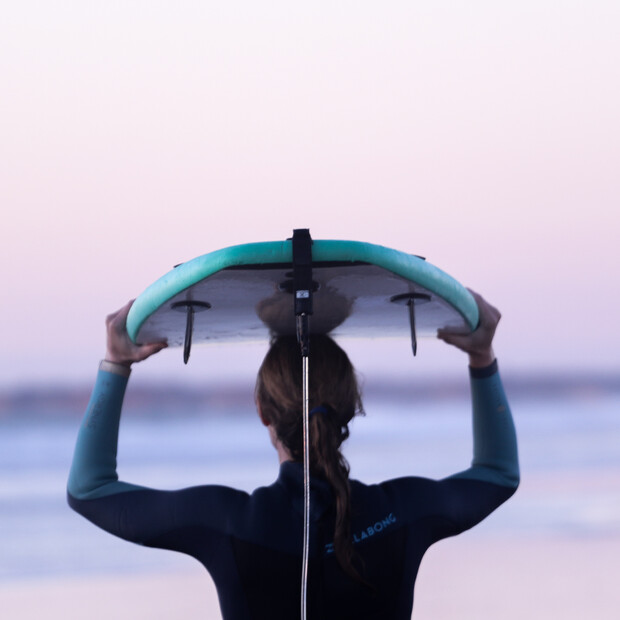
[569, 450]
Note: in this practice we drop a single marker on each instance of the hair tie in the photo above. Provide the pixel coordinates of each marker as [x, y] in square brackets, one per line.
[319, 409]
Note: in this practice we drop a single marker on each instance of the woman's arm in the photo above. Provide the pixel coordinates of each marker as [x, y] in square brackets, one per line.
[93, 470]
[495, 458]
[495, 442]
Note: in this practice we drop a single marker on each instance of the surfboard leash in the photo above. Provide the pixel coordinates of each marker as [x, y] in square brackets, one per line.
[302, 283]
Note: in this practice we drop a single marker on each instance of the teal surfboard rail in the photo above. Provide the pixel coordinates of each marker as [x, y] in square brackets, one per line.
[402, 264]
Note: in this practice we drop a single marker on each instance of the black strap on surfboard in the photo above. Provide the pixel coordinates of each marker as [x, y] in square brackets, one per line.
[302, 284]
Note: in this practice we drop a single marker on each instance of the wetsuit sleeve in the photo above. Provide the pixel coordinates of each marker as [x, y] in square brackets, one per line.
[126, 510]
[495, 442]
[459, 502]
[93, 470]
[136, 513]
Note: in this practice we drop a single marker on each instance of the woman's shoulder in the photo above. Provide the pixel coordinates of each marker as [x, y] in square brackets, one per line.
[393, 485]
[395, 495]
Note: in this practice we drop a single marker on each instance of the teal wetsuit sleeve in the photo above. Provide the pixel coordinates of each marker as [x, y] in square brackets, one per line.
[135, 513]
[93, 470]
[495, 442]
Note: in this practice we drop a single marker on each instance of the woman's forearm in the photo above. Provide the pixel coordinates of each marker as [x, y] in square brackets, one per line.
[93, 470]
[495, 442]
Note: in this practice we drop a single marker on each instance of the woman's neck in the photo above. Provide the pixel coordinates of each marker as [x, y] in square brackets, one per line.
[283, 453]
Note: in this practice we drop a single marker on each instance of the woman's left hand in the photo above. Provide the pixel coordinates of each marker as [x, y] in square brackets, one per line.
[120, 349]
[479, 343]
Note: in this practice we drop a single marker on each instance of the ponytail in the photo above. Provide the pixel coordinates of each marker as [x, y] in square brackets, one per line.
[333, 466]
[334, 392]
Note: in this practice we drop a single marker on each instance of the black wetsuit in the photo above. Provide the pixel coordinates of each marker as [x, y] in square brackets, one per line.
[251, 544]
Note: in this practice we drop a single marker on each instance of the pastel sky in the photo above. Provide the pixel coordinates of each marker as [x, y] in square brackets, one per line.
[482, 135]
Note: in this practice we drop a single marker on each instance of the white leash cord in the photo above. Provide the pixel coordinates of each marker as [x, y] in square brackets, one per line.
[304, 571]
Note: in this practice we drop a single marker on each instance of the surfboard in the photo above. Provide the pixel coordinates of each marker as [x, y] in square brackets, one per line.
[246, 293]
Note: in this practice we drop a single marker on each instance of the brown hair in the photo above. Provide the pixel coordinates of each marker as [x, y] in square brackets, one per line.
[332, 385]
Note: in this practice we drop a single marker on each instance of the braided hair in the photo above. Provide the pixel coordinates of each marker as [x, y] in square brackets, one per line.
[334, 394]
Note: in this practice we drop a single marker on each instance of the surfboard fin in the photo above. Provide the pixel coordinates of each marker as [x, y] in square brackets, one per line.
[190, 307]
[189, 330]
[410, 300]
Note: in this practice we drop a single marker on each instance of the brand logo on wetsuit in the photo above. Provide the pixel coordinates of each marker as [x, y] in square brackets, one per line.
[371, 530]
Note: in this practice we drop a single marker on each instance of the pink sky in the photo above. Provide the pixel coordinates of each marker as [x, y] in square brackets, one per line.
[482, 135]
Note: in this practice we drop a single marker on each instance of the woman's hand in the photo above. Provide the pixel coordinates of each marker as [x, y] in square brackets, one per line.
[477, 344]
[120, 348]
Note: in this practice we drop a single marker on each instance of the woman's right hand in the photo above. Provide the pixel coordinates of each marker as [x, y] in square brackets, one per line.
[120, 349]
[477, 344]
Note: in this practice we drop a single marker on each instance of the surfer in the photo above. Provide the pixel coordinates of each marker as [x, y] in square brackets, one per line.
[367, 541]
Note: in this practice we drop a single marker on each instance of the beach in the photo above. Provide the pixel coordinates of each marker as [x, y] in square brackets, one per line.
[552, 551]
[465, 578]
[522, 578]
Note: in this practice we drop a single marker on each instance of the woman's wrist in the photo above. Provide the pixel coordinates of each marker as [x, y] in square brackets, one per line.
[481, 359]
[116, 355]
[115, 368]
[113, 358]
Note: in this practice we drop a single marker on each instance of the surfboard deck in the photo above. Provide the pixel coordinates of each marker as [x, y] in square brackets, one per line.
[244, 293]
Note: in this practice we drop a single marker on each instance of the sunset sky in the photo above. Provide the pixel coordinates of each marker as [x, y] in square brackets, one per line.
[137, 135]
